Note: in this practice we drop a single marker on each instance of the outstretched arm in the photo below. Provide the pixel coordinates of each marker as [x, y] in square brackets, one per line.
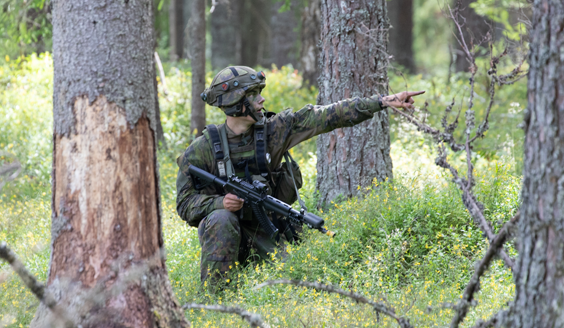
[292, 128]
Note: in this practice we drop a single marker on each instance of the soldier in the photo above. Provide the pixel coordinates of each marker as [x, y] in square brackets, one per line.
[252, 144]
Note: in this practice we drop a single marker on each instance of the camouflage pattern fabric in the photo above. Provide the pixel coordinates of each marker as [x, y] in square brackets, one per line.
[226, 240]
[285, 130]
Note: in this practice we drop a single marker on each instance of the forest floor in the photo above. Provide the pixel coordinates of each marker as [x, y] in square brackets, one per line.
[409, 243]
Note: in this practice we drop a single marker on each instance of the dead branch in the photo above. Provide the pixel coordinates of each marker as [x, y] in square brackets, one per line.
[37, 288]
[252, 318]
[377, 306]
[481, 267]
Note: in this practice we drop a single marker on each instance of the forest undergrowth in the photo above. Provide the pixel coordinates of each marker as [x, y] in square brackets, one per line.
[408, 242]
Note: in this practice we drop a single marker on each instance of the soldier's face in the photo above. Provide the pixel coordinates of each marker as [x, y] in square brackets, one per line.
[257, 101]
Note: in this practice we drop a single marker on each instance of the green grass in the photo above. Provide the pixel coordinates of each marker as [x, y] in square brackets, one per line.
[409, 243]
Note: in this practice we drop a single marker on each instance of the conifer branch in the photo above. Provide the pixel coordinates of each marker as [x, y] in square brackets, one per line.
[36, 287]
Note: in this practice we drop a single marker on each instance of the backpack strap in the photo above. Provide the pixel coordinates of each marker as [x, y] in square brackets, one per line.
[261, 155]
[291, 169]
[218, 150]
[225, 146]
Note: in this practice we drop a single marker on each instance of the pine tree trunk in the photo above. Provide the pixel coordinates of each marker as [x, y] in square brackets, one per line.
[176, 29]
[539, 278]
[474, 30]
[198, 54]
[106, 219]
[283, 42]
[311, 22]
[400, 13]
[226, 34]
[353, 61]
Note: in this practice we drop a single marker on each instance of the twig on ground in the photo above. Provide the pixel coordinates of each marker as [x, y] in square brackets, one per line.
[377, 306]
[37, 288]
[253, 319]
[481, 267]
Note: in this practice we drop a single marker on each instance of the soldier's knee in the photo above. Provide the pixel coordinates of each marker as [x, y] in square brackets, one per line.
[222, 219]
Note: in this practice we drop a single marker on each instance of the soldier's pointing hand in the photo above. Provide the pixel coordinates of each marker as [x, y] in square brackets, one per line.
[401, 100]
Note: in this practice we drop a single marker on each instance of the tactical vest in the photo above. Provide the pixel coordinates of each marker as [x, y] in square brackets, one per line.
[252, 161]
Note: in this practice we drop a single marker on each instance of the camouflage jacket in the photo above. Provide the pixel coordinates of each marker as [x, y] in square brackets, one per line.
[285, 130]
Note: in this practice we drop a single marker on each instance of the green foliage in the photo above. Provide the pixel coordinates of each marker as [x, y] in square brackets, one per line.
[504, 138]
[410, 242]
[506, 13]
[25, 26]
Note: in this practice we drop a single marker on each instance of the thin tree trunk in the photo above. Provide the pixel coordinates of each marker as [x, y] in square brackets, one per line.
[198, 54]
[474, 29]
[311, 22]
[176, 29]
[400, 13]
[353, 61]
[226, 34]
[539, 278]
[283, 42]
[106, 265]
[256, 33]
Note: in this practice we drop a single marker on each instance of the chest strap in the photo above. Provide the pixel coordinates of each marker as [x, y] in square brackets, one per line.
[261, 155]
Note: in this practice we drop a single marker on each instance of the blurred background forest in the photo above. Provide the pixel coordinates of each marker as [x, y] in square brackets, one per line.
[417, 220]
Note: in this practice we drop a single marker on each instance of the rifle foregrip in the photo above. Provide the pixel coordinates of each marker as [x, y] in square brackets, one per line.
[264, 222]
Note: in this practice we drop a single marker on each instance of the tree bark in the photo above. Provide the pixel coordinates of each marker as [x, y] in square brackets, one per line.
[106, 266]
[474, 29]
[400, 13]
[198, 62]
[283, 42]
[539, 278]
[176, 29]
[226, 34]
[311, 22]
[353, 60]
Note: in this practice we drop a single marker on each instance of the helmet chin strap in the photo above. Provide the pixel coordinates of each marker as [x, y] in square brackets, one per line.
[250, 109]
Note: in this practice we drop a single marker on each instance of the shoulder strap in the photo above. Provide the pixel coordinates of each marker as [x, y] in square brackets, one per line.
[225, 146]
[260, 148]
[215, 142]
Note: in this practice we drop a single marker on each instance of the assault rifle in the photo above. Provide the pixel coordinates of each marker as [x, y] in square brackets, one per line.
[261, 203]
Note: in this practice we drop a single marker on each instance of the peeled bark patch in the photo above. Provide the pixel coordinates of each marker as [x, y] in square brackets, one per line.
[105, 193]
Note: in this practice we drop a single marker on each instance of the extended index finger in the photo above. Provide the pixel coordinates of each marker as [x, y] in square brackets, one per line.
[415, 93]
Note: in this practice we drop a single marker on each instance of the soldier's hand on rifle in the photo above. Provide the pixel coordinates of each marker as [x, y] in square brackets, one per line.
[401, 100]
[232, 203]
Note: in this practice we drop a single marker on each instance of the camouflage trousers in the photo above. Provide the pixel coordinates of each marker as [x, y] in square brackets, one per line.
[226, 239]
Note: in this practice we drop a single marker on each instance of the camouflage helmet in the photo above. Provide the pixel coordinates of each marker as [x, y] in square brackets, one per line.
[230, 85]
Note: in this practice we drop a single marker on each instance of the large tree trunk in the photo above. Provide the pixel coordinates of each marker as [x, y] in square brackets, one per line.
[106, 221]
[176, 29]
[256, 33]
[226, 34]
[400, 13]
[474, 29]
[311, 23]
[353, 61]
[198, 55]
[283, 42]
[539, 278]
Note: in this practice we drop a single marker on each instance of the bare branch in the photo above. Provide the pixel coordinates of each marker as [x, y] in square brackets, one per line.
[37, 288]
[252, 318]
[377, 306]
[481, 267]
